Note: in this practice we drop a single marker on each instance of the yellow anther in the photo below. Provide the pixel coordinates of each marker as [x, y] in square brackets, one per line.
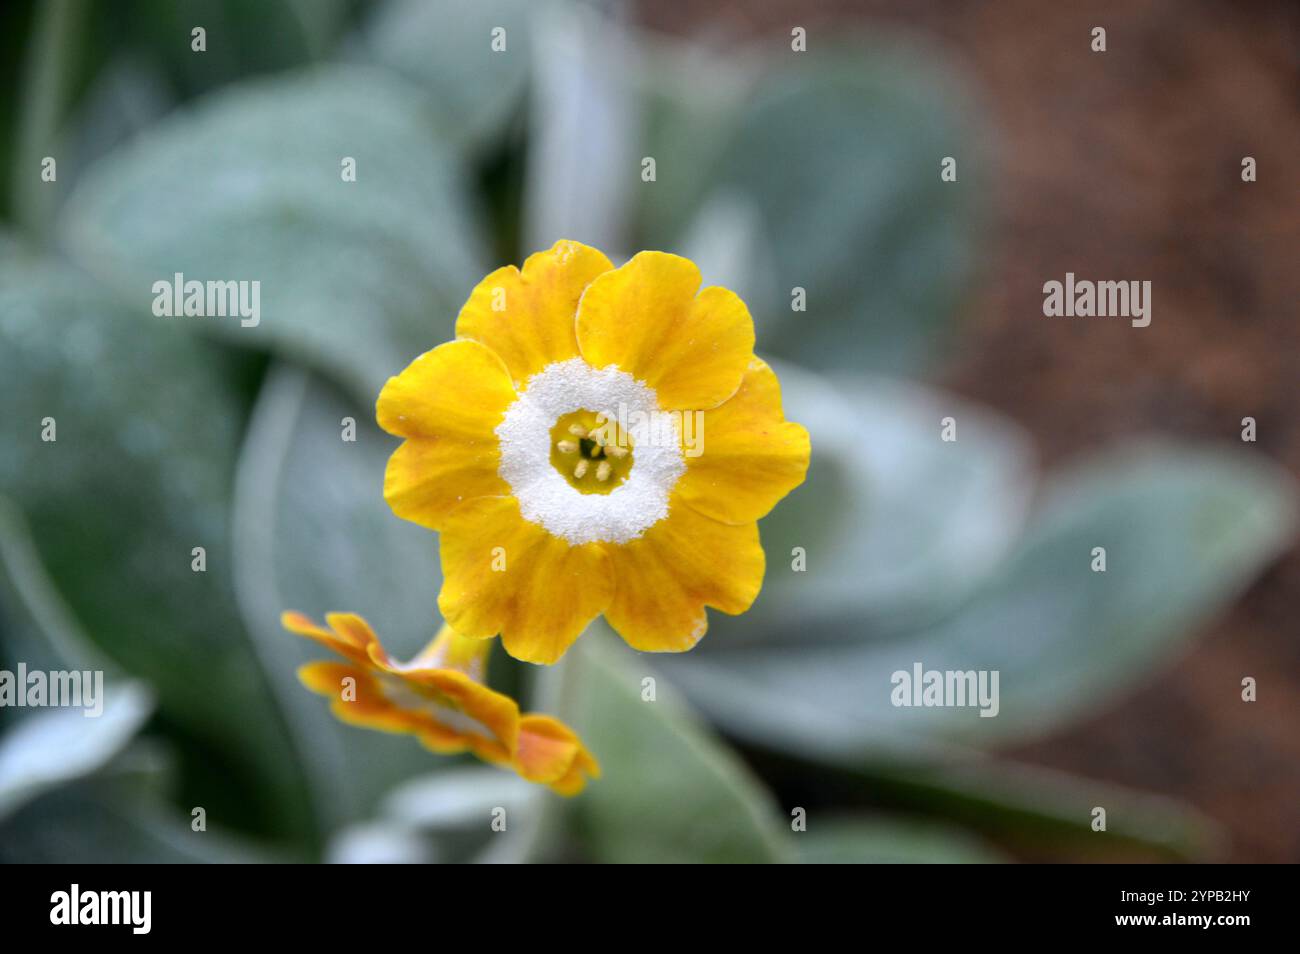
[585, 449]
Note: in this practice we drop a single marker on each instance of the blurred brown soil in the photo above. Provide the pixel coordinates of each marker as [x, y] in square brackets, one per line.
[1127, 165]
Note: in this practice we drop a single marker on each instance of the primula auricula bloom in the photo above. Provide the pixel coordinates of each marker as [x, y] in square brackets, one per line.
[439, 697]
[525, 447]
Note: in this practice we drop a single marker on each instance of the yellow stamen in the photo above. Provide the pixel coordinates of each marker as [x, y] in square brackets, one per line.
[585, 449]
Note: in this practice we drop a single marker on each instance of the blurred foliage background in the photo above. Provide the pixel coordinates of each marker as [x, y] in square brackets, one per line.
[775, 169]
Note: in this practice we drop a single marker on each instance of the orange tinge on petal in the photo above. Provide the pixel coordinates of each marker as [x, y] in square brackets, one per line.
[440, 698]
[552, 754]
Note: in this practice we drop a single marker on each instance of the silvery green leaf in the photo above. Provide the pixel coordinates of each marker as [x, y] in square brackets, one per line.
[52, 746]
[1025, 807]
[314, 534]
[458, 798]
[691, 97]
[582, 164]
[1185, 530]
[839, 149]
[126, 96]
[91, 822]
[356, 278]
[670, 791]
[479, 813]
[380, 843]
[139, 475]
[242, 38]
[845, 839]
[727, 242]
[475, 76]
[39, 627]
[895, 525]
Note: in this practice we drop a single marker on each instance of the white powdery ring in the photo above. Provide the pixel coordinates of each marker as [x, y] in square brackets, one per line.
[545, 497]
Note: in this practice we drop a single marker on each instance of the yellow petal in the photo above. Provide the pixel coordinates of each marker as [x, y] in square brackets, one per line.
[351, 642]
[681, 564]
[427, 478]
[751, 456]
[527, 317]
[646, 318]
[544, 756]
[502, 574]
[326, 678]
[368, 708]
[353, 628]
[448, 403]
[447, 709]
[551, 753]
[443, 741]
[459, 390]
[495, 712]
[304, 625]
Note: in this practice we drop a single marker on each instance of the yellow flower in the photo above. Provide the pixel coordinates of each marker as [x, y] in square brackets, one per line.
[595, 440]
[439, 697]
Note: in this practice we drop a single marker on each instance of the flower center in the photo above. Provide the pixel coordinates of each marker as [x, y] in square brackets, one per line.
[593, 454]
[577, 508]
